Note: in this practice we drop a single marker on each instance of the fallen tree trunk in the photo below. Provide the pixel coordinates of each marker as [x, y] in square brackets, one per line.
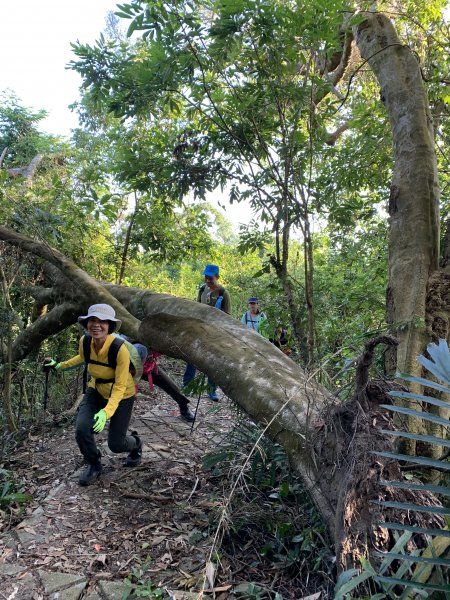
[329, 447]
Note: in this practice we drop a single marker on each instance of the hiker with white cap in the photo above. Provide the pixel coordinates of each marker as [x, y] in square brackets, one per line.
[254, 318]
[110, 393]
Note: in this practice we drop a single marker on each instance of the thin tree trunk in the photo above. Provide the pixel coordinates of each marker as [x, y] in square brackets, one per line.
[309, 291]
[126, 245]
[7, 406]
[279, 262]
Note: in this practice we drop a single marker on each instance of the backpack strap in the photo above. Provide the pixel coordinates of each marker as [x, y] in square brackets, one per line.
[87, 356]
[219, 300]
[113, 351]
[201, 289]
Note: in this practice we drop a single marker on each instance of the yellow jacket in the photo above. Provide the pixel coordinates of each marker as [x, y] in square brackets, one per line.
[123, 387]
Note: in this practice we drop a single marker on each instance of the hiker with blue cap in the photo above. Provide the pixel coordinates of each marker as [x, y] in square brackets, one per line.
[215, 295]
[110, 394]
[255, 318]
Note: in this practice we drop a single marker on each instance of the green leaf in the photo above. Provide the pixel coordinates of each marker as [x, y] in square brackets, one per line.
[404, 485]
[418, 460]
[430, 439]
[425, 382]
[413, 529]
[420, 398]
[438, 510]
[341, 590]
[418, 414]
[411, 584]
[420, 559]
[440, 363]
[399, 545]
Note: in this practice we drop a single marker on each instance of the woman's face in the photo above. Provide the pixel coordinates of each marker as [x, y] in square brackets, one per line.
[97, 328]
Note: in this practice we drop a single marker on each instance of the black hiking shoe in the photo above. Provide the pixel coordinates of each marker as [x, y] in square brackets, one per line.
[90, 474]
[187, 414]
[135, 457]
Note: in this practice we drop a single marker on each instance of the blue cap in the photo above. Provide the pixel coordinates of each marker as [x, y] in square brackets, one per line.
[252, 300]
[211, 271]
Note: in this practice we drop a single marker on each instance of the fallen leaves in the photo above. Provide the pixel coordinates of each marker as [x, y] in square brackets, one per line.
[166, 508]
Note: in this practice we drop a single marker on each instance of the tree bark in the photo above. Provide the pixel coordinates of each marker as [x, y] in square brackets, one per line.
[414, 198]
[309, 291]
[414, 195]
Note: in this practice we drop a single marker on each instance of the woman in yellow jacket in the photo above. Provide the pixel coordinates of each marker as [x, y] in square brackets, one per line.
[110, 394]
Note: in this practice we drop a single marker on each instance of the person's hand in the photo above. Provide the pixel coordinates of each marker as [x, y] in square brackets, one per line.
[100, 421]
[50, 364]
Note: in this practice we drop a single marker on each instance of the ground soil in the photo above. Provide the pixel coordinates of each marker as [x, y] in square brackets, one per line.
[170, 527]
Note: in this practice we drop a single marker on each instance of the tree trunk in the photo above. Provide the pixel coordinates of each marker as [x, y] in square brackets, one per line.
[309, 291]
[7, 374]
[279, 263]
[414, 195]
[126, 244]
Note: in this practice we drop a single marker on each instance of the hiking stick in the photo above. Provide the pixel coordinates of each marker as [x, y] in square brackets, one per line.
[198, 401]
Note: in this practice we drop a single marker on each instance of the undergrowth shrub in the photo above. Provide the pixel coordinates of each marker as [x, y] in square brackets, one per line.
[269, 513]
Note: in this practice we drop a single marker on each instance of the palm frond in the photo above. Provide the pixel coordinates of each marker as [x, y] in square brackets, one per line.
[400, 566]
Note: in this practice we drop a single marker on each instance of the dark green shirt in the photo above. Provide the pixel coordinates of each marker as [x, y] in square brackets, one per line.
[205, 296]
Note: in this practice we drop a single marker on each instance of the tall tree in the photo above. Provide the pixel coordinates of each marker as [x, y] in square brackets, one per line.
[241, 89]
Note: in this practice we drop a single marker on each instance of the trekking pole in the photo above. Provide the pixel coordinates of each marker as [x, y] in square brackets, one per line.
[198, 401]
[47, 372]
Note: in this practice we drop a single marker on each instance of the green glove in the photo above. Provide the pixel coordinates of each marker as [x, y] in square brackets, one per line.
[50, 364]
[100, 421]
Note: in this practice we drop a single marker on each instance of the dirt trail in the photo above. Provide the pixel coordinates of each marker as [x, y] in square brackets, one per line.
[155, 521]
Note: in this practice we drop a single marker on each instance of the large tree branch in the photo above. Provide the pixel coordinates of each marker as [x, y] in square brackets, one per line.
[93, 292]
[51, 323]
[28, 171]
[333, 137]
[338, 73]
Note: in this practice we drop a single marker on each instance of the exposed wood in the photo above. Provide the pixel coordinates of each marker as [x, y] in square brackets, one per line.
[28, 171]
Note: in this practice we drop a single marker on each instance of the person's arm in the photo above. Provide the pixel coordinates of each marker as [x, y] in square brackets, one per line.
[75, 361]
[226, 303]
[121, 381]
[244, 320]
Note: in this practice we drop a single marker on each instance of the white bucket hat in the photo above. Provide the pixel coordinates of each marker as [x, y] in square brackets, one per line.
[104, 312]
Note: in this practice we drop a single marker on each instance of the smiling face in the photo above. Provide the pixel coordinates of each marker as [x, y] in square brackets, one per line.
[98, 329]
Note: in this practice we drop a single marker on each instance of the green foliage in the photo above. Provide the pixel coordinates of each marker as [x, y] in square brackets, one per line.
[10, 493]
[140, 586]
[19, 132]
[396, 568]
[288, 529]
[253, 591]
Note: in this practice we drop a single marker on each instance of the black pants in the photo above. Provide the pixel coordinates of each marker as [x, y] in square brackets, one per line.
[163, 381]
[118, 440]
